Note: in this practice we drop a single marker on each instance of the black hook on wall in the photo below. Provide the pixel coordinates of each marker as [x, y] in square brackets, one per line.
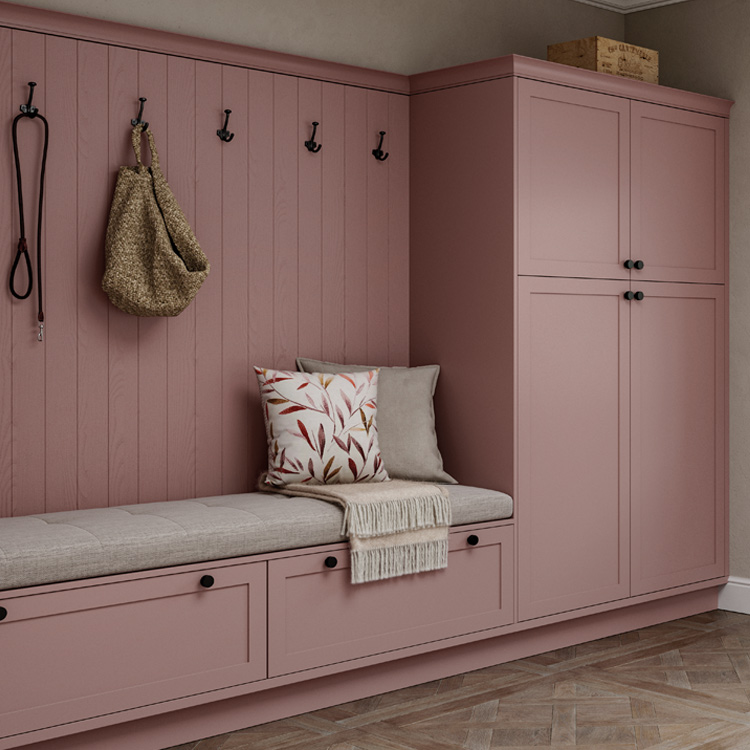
[138, 120]
[224, 134]
[310, 145]
[378, 152]
[29, 109]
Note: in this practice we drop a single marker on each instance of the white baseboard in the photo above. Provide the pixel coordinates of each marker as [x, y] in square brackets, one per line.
[735, 596]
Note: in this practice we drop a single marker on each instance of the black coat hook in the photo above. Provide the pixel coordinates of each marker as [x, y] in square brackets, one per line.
[378, 152]
[311, 145]
[224, 134]
[138, 120]
[29, 109]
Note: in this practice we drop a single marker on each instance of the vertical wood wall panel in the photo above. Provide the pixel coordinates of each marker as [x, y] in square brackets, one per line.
[258, 129]
[398, 230]
[286, 258]
[332, 217]
[377, 230]
[28, 353]
[355, 184]
[94, 193]
[208, 303]
[6, 301]
[152, 332]
[123, 328]
[181, 145]
[307, 253]
[60, 284]
[235, 361]
[310, 251]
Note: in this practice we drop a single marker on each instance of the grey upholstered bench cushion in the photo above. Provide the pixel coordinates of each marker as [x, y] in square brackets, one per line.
[78, 544]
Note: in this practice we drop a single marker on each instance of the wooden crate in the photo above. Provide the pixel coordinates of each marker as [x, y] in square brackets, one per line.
[608, 56]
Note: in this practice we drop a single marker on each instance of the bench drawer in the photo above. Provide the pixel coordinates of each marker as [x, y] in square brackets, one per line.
[83, 652]
[317, 617]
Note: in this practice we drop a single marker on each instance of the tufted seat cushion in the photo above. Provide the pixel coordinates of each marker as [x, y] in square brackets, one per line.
[79, 544]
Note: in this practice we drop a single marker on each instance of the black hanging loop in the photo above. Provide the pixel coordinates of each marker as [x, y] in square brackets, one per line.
[138, 120]
[310, 145]
[378, 152]
[224, 134]
[29, 109]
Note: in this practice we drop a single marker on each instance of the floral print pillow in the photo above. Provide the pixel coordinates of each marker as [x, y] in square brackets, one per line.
[321, 428]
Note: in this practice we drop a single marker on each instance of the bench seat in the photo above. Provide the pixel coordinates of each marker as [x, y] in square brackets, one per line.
[72, 545]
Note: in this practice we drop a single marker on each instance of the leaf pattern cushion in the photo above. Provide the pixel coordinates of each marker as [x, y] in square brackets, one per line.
[320, 428]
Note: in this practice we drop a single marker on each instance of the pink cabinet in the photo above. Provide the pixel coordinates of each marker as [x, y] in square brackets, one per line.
[677, 435]
[573, 182]
[320, 618]
[604, 417]
[573, 451]
[678, 200]
[97, 649]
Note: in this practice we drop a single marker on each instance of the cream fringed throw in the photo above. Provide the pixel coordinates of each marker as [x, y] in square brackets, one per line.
[394, 528]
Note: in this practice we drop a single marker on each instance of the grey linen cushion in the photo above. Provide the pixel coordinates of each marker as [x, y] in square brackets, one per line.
[405, 418]
[78, 544]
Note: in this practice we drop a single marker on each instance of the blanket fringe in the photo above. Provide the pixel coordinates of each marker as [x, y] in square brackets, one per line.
[405, 559]
[402, 514]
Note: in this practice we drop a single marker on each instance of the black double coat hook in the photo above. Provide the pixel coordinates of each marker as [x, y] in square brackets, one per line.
[310, 145]
[224, 134]
[378, 152]
[138, 120]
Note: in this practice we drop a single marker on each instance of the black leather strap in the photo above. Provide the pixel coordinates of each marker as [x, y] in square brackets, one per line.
[23, 251]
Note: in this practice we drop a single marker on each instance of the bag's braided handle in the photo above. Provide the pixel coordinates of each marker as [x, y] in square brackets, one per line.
[136, 138]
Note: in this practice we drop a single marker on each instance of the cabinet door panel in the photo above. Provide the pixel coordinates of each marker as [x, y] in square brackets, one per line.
[677, 449]
[320, 618]
[573, 178]
[572, 505]
[108, 647]
[678, 185]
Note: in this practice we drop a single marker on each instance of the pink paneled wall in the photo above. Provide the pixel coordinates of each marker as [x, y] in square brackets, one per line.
[308, 252]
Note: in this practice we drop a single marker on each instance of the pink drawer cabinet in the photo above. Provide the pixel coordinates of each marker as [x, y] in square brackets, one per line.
[97, 649]
[320, 618]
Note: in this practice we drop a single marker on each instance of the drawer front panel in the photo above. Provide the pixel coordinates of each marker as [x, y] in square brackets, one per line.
[318, 617]
[85, 652]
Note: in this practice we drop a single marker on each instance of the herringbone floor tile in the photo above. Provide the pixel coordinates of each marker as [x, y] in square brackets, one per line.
[683, 685]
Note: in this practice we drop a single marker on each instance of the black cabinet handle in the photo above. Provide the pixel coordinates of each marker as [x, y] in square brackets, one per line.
[207, 581]
[639, 264]
[473, 540]
[639, 296]
[628, 296]
[3, 613]
[628, 264]
[331, 562]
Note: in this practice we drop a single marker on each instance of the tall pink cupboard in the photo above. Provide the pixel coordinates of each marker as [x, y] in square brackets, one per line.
[570, 247]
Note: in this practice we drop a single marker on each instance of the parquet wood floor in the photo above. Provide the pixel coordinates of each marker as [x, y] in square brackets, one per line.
[682, 685]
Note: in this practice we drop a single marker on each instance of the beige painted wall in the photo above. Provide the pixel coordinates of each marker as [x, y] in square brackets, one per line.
[703, 47]
[402, 36]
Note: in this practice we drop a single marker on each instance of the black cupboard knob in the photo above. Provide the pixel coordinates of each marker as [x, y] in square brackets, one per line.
[639, 296]
[639, 264]
[331, 562]
[3, 613]
[628, 264]
[207, 581]
[628, 296]
[473, 540]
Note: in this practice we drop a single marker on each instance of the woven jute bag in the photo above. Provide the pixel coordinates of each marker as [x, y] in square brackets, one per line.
[154, 265]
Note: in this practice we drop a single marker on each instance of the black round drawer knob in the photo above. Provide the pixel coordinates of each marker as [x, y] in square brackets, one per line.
[3, 613]
[628, 296]
[473, 540]
[628, 264]
[639, 296]
[207, 581]
[331, 562]
[639, 265]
